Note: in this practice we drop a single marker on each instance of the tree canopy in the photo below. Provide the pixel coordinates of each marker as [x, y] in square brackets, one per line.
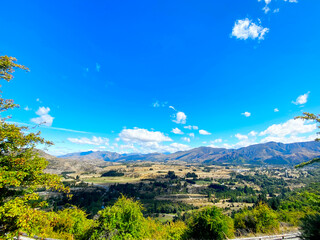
[21, 169]
[316, 118]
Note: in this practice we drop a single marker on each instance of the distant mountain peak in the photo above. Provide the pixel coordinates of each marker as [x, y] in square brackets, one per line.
[270, 152]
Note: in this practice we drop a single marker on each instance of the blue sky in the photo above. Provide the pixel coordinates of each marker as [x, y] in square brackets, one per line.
[163, 76]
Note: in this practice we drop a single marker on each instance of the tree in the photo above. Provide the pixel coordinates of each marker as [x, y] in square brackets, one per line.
[261, 219]
[316, 118]
[21, 168]
[310, 227]
[210, 223]
[124, 220]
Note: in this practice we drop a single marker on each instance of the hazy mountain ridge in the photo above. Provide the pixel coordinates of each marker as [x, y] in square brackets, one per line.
[271, 153]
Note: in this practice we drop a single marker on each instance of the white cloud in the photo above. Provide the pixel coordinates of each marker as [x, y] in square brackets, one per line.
[246, 114]
[172, 108]
[142, 135]
[266, 9]
[27, 108]
[253, 133]
[191, 127]
[204, 132]
[43, 111]
[291, 127]
[244, 29]
[241, 137]
[276, 10]
[176, 131]
[302, 99]
[94, 141]
[151, 147]
[219, 140]
[291, 1]
[289, 139]
[181, 118]
[191, 135]
[144, 141]
[276, 110]
[186, 139]
[44, 117]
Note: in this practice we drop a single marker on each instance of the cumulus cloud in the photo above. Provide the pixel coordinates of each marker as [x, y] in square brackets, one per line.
[176, 131]
[289, 139]
[252, 133]
[44, 117]
[246, 114]
[276, 110]
[191, 135]
[245, 28]
[291, 127]
[94, 141]
[142, 135]
[204, 132]
[294, 130]
[241, 137]
[27, 108]
[181, 118]
[145, 141]
[302, 99]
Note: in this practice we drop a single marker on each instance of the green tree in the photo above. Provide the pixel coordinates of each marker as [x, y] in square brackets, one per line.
[124, 220]
[310, 227]
[21, 171]
[210, 223]
[316, 118]
[260, 219]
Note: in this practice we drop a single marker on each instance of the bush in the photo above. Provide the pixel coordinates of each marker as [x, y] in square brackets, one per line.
[191, 175]
[210, 223]
[124, 220]
[261, 219]
[310, 227]
[112, 173]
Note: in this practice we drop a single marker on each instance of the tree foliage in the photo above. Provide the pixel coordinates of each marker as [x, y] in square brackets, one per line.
[316, 118]
[21, 170]
[310, 227]
[260, 219]
[210, 223]
[124, 220]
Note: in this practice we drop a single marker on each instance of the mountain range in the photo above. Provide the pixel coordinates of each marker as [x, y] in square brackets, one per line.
[264, 153]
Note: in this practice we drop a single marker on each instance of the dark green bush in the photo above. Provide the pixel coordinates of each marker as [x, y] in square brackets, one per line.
[310, 227]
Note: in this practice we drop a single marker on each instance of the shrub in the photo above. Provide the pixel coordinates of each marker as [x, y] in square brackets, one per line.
[261, 219]
[112, 173]
[310, 227]
[210, 223]
[124, 220]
